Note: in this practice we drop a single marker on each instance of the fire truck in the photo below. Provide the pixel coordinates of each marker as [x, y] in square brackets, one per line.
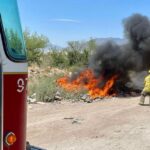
[13, 79]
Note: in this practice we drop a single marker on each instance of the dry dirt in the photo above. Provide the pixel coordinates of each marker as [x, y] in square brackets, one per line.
[111, 124]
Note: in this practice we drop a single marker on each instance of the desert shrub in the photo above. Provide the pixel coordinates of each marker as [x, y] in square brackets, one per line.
[47, 87]
[59, 59]
[44, 87]
[35, 45]
[54, 58]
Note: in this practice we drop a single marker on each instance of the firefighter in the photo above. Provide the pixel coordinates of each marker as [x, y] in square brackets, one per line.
[146, 90]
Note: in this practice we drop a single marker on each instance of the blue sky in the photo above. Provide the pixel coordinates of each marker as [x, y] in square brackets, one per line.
[67, 20]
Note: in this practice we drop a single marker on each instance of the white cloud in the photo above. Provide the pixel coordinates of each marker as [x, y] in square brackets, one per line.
[65, 20]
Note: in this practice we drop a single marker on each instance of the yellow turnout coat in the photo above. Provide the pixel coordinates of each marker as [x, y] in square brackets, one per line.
[147, 84]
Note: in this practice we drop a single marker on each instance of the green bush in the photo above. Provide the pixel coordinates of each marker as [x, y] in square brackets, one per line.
[46, 88]
[59, 59]
[35, 45]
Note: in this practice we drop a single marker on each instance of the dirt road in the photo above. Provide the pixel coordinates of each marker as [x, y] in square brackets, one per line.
[111, 124]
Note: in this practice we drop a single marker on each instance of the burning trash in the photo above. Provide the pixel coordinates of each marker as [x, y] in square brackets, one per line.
[111, 66]
[87, 80]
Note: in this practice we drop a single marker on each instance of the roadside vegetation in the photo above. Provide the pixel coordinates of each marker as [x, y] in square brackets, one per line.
[48, 62]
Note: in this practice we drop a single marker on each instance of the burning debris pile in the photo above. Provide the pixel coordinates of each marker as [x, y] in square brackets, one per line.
[86, 79]
[111, 66]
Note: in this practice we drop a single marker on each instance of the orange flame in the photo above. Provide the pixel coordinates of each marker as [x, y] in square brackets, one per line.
[87, 80]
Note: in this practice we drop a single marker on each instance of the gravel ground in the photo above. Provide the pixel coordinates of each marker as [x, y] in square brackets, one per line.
[110, 124]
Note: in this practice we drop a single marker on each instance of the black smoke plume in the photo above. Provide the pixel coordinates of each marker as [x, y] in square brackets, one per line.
[110, 59]
[128, 60]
